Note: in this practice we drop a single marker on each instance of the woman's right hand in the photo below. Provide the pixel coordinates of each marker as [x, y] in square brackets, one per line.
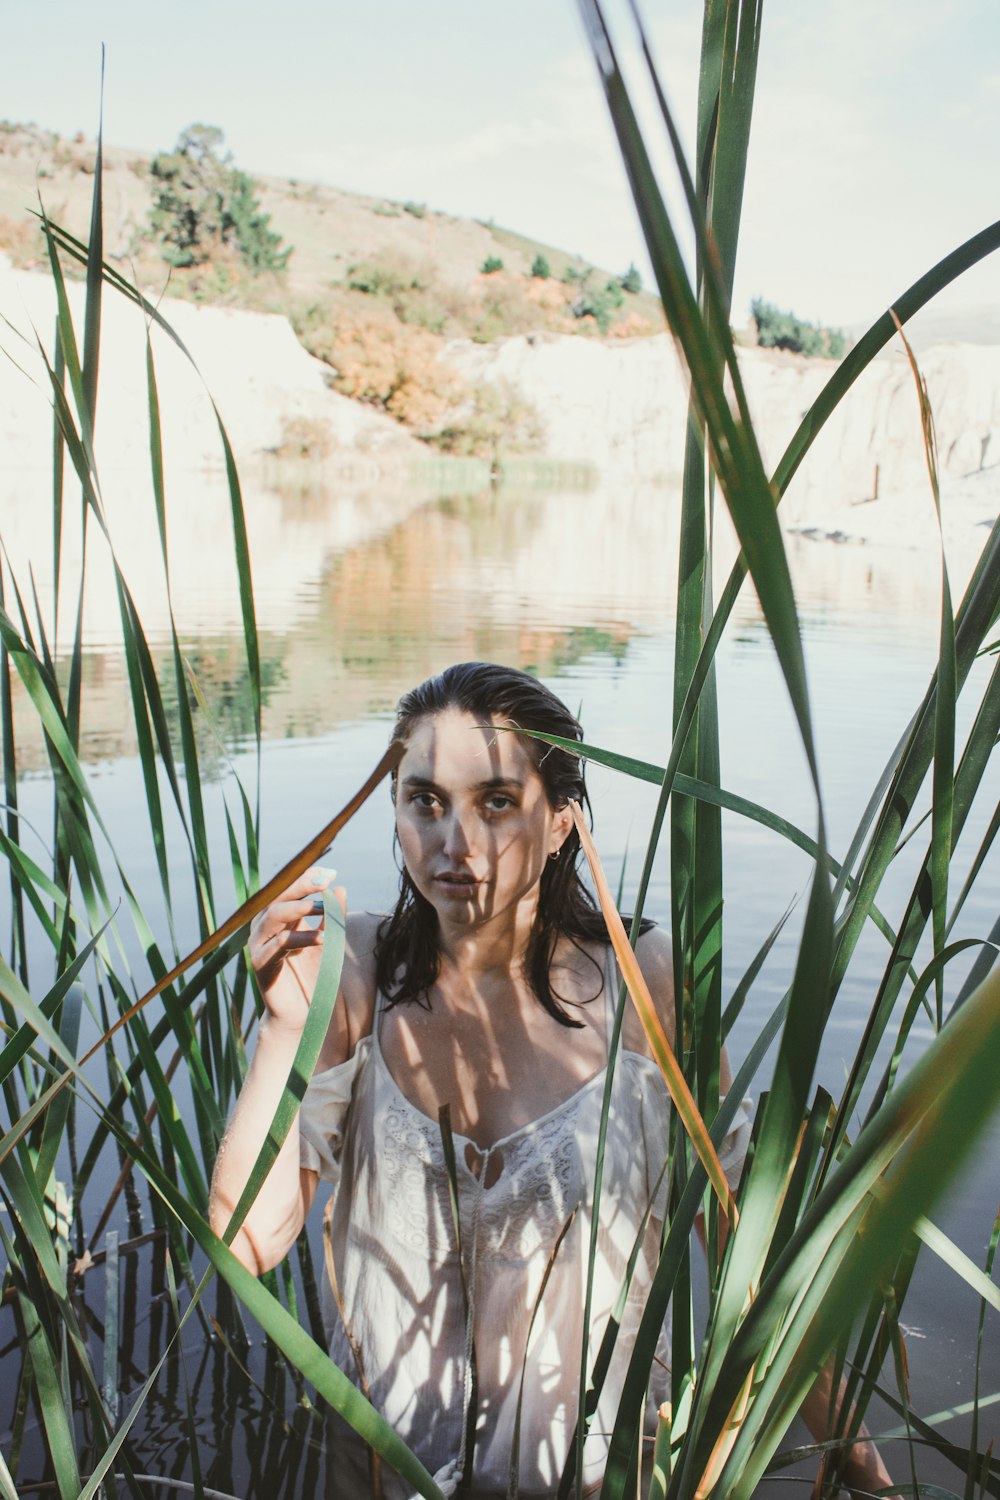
[285, 949]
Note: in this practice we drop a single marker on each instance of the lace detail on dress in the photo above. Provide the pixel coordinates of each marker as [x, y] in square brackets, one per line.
[540, 1181]
[412, 1160]
[540, 1184]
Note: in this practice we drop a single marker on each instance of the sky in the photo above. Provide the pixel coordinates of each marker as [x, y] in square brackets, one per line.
[873, 150]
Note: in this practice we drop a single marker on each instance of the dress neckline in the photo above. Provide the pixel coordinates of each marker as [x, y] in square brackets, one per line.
[530, 1126]
[503, 1140]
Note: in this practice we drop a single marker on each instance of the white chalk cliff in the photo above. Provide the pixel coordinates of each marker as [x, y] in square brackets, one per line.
[261, 380]
[621, 405]
[618, 405]
[256, 370]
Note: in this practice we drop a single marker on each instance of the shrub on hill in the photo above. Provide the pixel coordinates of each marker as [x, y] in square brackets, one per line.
[596, 301]
[391, 279]
[506, 308]
[632, 280]
[303, 439]
[22, 240]
[495, 419]
[540, 267]
[490, 264]
[633, 326]
[204, 206]
[783, 330]
[416, 293]
[396, 367]
[377, 359]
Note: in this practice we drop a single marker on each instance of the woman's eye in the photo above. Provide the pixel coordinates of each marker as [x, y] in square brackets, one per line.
[499, 802]
[424, 801]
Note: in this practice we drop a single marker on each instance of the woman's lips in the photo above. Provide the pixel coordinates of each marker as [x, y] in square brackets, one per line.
[457, 881]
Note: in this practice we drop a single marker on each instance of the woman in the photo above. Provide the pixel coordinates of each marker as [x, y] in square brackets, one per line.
[490, 989]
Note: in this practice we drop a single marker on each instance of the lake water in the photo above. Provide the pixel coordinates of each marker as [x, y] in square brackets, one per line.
[579, 586]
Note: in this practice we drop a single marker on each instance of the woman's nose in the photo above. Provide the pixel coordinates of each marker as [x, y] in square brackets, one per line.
[459, 840]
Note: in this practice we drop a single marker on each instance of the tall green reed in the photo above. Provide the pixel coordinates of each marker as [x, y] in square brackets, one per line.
[766, 1340]
[204, 1018]
[828, 1226]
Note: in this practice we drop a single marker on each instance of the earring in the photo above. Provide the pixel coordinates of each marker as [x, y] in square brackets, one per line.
[555, 853]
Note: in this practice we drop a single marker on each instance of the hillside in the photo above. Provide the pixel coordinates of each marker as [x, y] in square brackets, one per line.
[391, 301]
[372, 287]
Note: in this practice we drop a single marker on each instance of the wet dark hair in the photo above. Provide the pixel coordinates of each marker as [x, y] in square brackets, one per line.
[407, 952]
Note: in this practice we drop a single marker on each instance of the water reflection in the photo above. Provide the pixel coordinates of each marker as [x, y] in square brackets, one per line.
[361, 593]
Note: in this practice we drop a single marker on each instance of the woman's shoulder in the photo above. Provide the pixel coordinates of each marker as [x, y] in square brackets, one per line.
[655, 954]
[654, 951]
[354, 1013]
[362, 938]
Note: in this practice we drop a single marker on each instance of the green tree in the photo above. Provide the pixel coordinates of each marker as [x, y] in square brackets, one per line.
[203, 204]
[490, 264]
[632, 280]
[598, 302]
[540, 267]
[783, 330]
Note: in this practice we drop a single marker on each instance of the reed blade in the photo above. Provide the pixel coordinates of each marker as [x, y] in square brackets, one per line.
[942, 804]
[899, 1165]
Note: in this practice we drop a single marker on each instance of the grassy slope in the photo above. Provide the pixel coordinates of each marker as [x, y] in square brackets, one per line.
[331, 230]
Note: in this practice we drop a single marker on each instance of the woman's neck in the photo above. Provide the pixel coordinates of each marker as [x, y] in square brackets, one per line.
[488, 951]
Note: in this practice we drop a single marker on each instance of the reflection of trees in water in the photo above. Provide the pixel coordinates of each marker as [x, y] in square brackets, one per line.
[435, 589]
[225, 689]
[440, 586]
[107, 726]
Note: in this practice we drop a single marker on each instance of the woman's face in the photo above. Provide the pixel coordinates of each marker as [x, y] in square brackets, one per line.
[474, 823]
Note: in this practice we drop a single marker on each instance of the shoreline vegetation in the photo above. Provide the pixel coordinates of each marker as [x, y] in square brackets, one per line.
[117, 1011]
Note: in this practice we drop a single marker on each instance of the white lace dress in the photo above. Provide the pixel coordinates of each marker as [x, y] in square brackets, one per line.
[400, 1274]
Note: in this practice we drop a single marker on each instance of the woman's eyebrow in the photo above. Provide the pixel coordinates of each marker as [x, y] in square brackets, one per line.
[424, 783]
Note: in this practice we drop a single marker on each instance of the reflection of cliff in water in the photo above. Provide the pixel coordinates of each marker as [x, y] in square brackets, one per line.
[453, 582]
[344, 637]
[359, 596]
